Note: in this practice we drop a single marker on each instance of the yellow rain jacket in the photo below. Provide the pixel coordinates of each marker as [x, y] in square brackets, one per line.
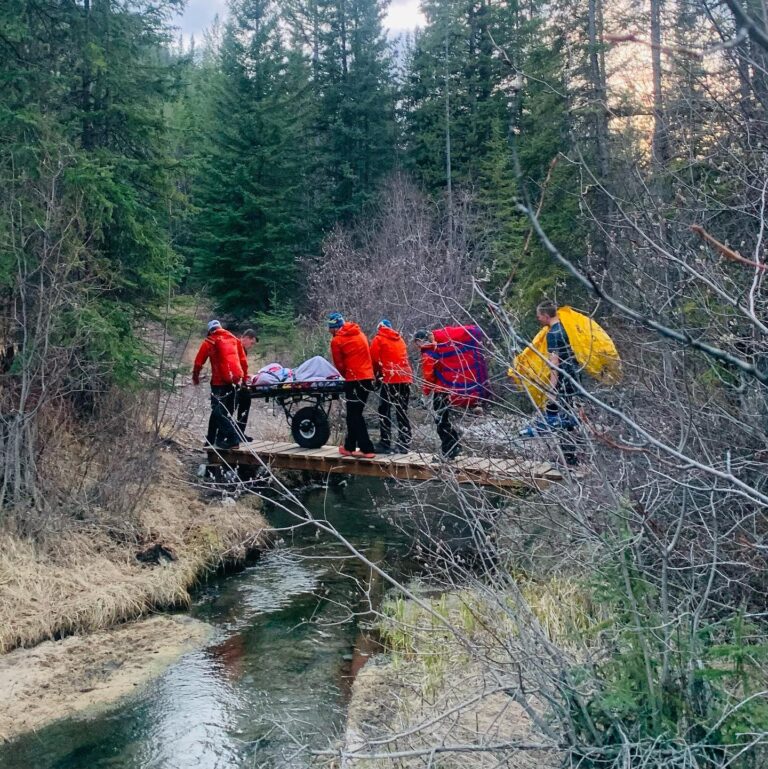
[593, 349]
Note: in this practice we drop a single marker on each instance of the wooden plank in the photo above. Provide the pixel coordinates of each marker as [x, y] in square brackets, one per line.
[323, 451]
[500, 472]
[472, 463]
[412, 458]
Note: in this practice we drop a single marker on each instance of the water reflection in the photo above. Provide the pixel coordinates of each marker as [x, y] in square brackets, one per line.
[275, 675]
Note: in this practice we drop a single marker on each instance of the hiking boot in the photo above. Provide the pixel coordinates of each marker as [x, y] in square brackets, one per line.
[548, 424]
[345, 452]
[401, 449]
[364, 454]
[453, 453]
[382, 448]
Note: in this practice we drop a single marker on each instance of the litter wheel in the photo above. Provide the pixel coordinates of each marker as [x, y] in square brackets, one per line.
[310, 428]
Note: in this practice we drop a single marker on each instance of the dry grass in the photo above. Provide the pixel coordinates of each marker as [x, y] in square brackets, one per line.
[432, 691]
[84, 581]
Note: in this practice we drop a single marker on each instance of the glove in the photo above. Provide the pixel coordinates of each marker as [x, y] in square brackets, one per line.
[196, 376]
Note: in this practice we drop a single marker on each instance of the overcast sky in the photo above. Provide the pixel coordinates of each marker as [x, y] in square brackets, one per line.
[403, 15]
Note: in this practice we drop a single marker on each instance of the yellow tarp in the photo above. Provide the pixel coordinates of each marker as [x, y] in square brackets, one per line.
[530, 369]
[593, 349]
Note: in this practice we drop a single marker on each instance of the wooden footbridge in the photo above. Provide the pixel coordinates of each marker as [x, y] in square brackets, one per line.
[414, 466]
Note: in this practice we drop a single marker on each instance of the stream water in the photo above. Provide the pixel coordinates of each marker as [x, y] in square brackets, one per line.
[276, 674]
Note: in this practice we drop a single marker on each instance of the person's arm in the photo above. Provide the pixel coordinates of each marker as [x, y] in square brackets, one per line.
[553, 357]
[376, 357]
[243, 358]
[200, 359]
[554, 374]
[337, 354]
[428, 364]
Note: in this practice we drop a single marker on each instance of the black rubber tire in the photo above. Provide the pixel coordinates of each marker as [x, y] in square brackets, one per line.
[310, 428]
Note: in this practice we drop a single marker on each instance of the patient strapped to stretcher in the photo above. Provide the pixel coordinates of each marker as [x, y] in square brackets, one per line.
[316, 369]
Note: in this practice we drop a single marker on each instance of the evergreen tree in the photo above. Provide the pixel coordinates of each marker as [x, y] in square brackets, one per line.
[86, 83]
[248, 194]
[356, 102]
[452, 97]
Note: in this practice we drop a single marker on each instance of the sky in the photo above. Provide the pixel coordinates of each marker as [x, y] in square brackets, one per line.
[403, 15]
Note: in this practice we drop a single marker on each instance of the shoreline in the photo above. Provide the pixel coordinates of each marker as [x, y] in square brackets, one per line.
[84, 674]
[81, 623]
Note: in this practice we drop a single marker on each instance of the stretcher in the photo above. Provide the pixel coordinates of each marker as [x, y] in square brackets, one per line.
[310, 425]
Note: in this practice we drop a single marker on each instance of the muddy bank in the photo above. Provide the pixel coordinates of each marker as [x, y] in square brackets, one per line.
[84, 580]
[80, 675]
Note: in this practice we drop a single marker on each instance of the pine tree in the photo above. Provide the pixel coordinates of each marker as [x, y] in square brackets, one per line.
[452, 95]
[87, 83]
[355, 116]
[249, 189]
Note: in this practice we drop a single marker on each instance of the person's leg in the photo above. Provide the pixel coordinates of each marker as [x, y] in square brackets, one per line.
[230, 408]
[243, 409]
[443, 420]
[386, 393]
[210, 437]
[566, 428]
[364, 389]
[352, 406]
[454, 438]
[222, 412]
[402, 396]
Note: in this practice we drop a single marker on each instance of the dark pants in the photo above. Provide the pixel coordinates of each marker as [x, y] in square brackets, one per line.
[243, 409]
[221, 425]
[395, 396]
[563, 407]
[449, 436]
[357, 433]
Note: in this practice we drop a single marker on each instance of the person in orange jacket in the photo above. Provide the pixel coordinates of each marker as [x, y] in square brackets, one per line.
[228, 366]
[392, 368]
[432, 373]
[352, 357]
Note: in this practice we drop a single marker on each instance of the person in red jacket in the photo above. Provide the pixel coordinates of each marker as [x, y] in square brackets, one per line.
[392, 368]
[228, 366]
[433, 372]
[352, 357]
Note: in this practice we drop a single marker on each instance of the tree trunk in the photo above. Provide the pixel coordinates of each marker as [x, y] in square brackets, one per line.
[660, 142]
[602, 205]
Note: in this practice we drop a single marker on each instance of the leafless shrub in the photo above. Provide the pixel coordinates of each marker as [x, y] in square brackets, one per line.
[409, 261]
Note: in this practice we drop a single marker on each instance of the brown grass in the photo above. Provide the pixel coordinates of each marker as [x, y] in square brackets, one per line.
[85, 581]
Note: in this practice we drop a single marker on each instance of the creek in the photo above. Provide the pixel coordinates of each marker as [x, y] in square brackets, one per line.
[276, 675]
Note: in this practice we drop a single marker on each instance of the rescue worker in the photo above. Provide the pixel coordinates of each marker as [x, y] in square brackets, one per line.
[352, 357]
[392, 369]
[228, 362]
[247, 339]
[558, 412]
[431, 370]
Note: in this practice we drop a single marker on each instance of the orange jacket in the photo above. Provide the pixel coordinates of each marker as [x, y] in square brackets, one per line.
[351, 354]
[389, 356]
[227, 356]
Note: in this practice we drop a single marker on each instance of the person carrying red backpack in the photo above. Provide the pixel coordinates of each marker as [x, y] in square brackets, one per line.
[436, 375]
[392, 368]
[228, 367]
